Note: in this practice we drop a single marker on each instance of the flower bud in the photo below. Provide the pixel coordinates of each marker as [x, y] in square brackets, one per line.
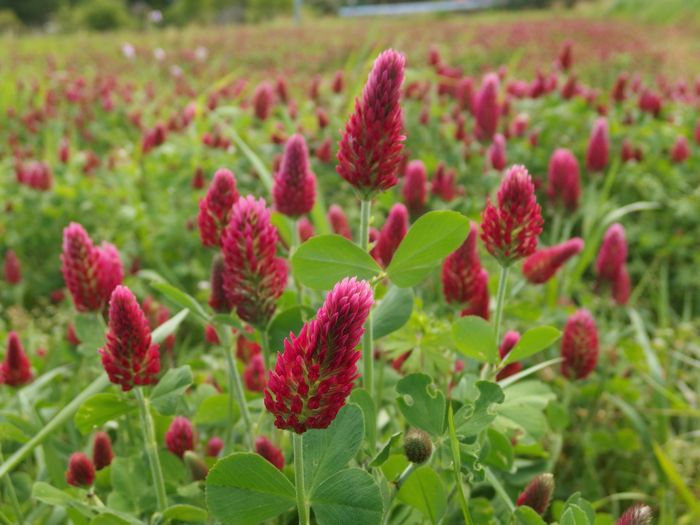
[417, 446]
[81, 472]
[179, 437]
[541, 266]
[15, 370]
[538, 493]
[102, 450]
[638, 514]
[12, 268]
[598, 151]
[579, 345]
[198, 468]
[415, 187]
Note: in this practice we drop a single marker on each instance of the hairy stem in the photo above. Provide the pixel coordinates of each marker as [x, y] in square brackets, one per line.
[235, 387]
[367, 355]
[149, 437]
[302, 504]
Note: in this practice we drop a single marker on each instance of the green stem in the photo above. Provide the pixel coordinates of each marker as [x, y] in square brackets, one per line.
[265, 345]
[404, 475]
[10, 488]
[294, 244]
[302, 504]
[149, 436]
[367, 357]
[4, 519]
[463, 500]
[496, 484]
[64, 415]
[500, 301]
[235, 387]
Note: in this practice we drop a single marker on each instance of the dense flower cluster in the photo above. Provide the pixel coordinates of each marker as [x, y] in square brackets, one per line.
[579, 345]
[295, 184]
[215, 207]
[316, 372]
[598, 151]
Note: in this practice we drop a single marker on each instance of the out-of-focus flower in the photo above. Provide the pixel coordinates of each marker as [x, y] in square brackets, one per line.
[598, 151]
[81, 471]
[613, 253]
[294, 188]
[462, 282]
[579, 345]
[339, 222]
[538, 493]
[180, 436]
[15, 370]
[541, 266]
[270, 452]
[218, 299]
[12, 268]
[214, 446]
[306, 229]
[680, 151]
[263, 98]
[102, 450]
[215, 207]
[391, 234]
[444, 183]
[563, 180]
[497, 152]
[415, 187]
[509, 341]
[638, 514]
[486, 108]
[254, 374]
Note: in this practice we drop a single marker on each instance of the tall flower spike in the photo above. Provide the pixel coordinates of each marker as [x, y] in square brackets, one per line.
[179, 437]
[81, 471]
[415, 187]
[563, 180]
[538, 493]
[541, 266]
[215, 207]
[294, 191]
[102, 454]
[370, 149]
[391, 234]
[270, 452]
[12, 268]
[579, 345]
[461, 272]
[218, 299]
[613, 253]
[638, 514]
[486, 108]
[510, 230]
[129, 357]
[317, 370]
[509, 341]
[339, 222]
[15, 370]
[254, 276]
[598, 151]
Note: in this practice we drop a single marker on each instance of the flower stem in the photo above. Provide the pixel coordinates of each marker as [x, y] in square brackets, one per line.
[302, 504]
[149, 437]
[404, 475]
[294, 244]
[367, 356]
[500, 300]
[10, 489]
[265, 345]
[235, 387]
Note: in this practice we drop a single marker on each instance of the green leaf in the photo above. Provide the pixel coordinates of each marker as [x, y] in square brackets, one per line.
[168, 327]
[577, 500]
[364, 400]
[91, 332]
[350, 496]
[52, 496]
[213, 411]
[246, 489]
[383, 454]
[324, 260]
[478, 410]
[392, 312]
[99, 409]
[474, 338]
[182, 299]
[170, 390]
[527, 516]
[421, 403]
[531, 342]
[500, 451]
[286, 321]
[9, 432]
[326, 451]
[424, 491]
[129, 484]
[676, 479]
[573, 515]
[431, 238]
[183, 512]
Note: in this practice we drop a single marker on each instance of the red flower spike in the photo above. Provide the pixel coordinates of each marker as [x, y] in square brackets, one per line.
[415, 187]
[598, 151]
[102, 454]
[444, 183]
[263, 98]
[538, 493]
[613, 253]
[370, 149]
[486, 108]
[81, 472]
[621, 286]
[680, 151]
[215, 207]
[316, 372]
[218, 299]
[461, 272]
[509, 341]
[111, 272]
[541, 266]
[270, 452]
[254, 276]
[566, 57]
[579, 345]
[179, 437]
[129, 357]
[246, 349]
[497, 152]
[480, 304]
[254, 374]
[510, 230]
[638, 514]
[563, 180]
[210, 335]
[294, 189]
[214, 446]
[12, 268]
[15, 370]
[339, 222]
[391, 234]
[306, 229]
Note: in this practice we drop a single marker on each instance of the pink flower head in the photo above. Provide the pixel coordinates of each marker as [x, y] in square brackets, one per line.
[638, 514]
[509, 341]
[129, 357]
[339, 222]
[680, 151]
[294, 191]
[215, 207]
[36, 175]
[263, 98]
[15, 370]
[598, 151]
[579, 345]
[510, 230]
[370, 149]
[541, 266]
[563, 180]
[337, 84]
[479, 304]
[254, 374]
[218, 299]
[316, 372]
[102, 454]
[538, 493]
[619, 89]
[415, 187]
[179, 437]
[613, 253]
[443, 185]
[254, 276]
[12, 268]
[306, 229]
[461, 272]
[486, 108]
[210, 335]
[81, 471]
[214, 446]
[391, 234]
[270, 452]
[497, 152]
[566, 57]
[650, 102]
[91, 273]
[621, 286]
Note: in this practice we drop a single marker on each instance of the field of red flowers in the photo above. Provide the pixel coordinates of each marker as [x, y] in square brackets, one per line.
[420, 271]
